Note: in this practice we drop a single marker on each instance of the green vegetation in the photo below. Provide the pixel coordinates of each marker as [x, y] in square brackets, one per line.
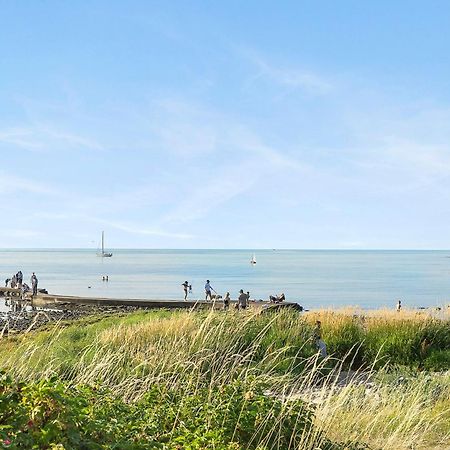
[408, 339]
[39, 415]
[180, 380]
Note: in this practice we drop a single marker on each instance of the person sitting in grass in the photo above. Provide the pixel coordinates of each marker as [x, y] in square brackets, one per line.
[317, 337]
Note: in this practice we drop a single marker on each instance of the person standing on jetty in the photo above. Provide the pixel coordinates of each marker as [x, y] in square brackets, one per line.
[19, 277]
[34, 284]
[187, 288]
[208, 290]
[226, 301]
[242, 300]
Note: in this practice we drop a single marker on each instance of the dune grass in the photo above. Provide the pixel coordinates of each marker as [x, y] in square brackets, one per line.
[410, 338]
[216, 380]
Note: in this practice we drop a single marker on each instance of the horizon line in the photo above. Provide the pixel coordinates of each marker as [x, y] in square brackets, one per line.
[226, 249]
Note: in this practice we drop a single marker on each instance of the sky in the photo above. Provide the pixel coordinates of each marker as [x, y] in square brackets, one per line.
[194, 124]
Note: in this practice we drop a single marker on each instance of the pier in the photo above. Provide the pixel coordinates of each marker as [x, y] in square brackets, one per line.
[9, 292]
[61, 301]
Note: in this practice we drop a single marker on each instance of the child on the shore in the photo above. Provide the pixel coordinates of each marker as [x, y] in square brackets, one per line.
[317, 336]
[187, 288]
[226, 301]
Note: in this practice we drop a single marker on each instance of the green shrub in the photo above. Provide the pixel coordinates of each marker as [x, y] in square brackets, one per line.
[49, 413]
[406, 342]
[346, 342]
[437, 360]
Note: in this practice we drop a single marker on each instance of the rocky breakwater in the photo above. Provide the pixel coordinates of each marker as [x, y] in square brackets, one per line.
[22, 318]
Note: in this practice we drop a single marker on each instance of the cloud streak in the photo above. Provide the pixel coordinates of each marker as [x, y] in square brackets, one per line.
[289, 77]
[46, 139]
[11, 184]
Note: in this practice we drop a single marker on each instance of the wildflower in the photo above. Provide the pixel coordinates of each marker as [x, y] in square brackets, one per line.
[249, 395]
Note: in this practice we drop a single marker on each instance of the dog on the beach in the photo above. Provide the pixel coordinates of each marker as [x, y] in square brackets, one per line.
[216, 296]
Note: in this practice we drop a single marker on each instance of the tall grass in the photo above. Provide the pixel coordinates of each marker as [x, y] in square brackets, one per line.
[192, 355]
[411, 338]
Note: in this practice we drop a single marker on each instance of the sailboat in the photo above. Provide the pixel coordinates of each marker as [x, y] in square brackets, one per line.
[253, 260]
[104, 254]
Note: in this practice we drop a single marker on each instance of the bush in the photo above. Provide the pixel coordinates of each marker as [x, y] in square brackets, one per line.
[437, 360]
[51, 414]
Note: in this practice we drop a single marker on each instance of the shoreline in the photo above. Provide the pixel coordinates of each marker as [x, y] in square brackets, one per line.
[24, 315]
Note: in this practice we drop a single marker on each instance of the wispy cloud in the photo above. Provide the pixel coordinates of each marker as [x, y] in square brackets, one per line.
[243, 159]
[128, 227]
[42, 138]
[213, 192]
[137, 229]
[400, 150]
[286, 75]
[11, 183]
[20, 137]
[21, 233]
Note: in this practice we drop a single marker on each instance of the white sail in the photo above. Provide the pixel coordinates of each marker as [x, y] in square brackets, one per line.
[104, 254]
[253, 260]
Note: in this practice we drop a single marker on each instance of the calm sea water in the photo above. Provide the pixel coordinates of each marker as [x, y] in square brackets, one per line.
[370, 279]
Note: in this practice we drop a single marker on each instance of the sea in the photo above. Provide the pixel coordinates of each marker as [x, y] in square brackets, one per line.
[314, 278]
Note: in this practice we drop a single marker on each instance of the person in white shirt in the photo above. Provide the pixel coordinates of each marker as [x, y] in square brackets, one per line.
[208, 290]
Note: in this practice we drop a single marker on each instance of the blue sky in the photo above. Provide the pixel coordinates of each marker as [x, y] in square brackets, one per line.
[256, 124]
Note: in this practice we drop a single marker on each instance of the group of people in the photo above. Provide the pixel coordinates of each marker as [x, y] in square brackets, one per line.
[277, 298]
[16, 282]
[211, 294]
[242, 300]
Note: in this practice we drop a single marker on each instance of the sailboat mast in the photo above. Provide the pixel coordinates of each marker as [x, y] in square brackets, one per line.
[103, 242]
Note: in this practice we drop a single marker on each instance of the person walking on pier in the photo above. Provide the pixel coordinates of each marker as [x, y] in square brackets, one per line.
[208, 290]
[34, 284]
